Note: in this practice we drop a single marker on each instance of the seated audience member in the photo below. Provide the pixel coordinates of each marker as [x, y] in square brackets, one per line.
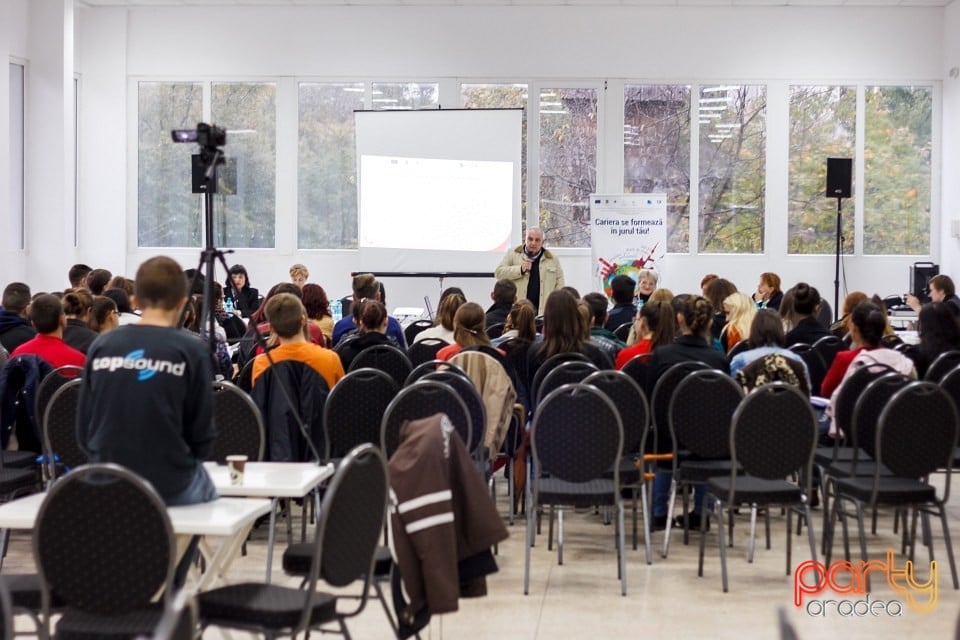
[103, 315]
[245, 298]
[299, 274]
[97, 281]
[520, 325]
[78, 276]
[77, 333]
[942, 290]
[866, 330]
[704, 281]
[890, 337]
[232, 325]
[841, 327]
[443, 328]
[469, 329]
[288, 319]
[318, 310]
[250, 345]
[647, 281]
[146, 401]
[939, 332]
[15, 329]
[449, 291]
[806, 304]
[767, 338]
[366, 287]
[372, 322]
[716, 291]
[196, 323]
[739, 309]
[504, 294]
[124, 308]
[694, 315]
[622, 290]
[768, 295]
[599, 334]
[572, 291]
[564, 331]
[655, 326]
[46, 315]
[119, 282]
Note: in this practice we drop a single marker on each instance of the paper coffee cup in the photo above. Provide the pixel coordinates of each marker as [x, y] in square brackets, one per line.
[236, 465]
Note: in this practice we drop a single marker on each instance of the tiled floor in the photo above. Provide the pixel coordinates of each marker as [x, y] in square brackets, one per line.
[581, 599]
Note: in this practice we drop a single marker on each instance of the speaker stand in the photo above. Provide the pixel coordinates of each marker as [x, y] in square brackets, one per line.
[836, 278]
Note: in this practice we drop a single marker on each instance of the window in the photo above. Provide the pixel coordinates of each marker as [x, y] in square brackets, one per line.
[568, 164]
[15, 225]
[327, 177]
[168, 213]
[822, 125]
[502, 96]
[897, 154]
[404, 95]
[732, 168]
[245, 211]
[656, 152]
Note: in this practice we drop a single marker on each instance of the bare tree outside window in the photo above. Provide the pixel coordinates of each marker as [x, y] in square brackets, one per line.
[897, 153]
[568, 164]
[404, 95]
[246, 202]
[327, 177]
[503, 96]
[168, 213]
[732, 168]
[656, 152]
[822, 125]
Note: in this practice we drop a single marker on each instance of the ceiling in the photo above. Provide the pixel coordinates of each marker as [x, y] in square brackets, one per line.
[662, 3]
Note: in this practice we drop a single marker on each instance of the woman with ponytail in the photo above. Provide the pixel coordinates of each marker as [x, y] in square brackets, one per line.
[655, 326]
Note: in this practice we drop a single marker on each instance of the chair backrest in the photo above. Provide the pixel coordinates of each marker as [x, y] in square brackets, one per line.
[850, 391]
[430, 366]
[917, 434]
[869, 406]
[548, 366]
[774, 433]
[103, 541]
[577, 435]
[630, 401]
[425, 350]
[560, 374]
[737, 349]
[815, 366]
[498, 392]
[60, 429]
[350, 525]
[471, 397]
[384, 357]
[638, 368]
[240, 429]
[774, 367]
[951, 384]
[414, 328]
[355, 408]
[828, 347]
[942, 365]
[50, 383]
[660, 399]
[244, 379]
[420, 400]
[495, 330]
[700, 413]
[623, 331]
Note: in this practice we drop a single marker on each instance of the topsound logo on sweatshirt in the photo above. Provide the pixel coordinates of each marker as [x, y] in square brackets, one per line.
[146, 368]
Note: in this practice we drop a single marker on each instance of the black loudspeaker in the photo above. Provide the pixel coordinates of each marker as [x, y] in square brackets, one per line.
[839, 177]
[920, 274]
[226, 176]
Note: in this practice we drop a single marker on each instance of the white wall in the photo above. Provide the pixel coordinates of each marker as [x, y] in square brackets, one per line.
[773, 46]
[950, 249]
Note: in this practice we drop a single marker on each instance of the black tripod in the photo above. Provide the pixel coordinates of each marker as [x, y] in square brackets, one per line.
[836, 279]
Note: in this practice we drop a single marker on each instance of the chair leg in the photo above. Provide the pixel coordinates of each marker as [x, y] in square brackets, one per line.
[529, 543]
[633, 495]
[752, 542]
[766, 525]
[703, 532]
[550, 531]
[666, 532]
[646, 523]
[559, 534]
[946, 540]
[723, 548]
[685, 497]
[789, 537]
[811, 536]
[863, 537]
[621, 551]
[510, 491]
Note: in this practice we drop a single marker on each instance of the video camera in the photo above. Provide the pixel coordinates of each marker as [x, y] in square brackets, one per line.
[206, 135]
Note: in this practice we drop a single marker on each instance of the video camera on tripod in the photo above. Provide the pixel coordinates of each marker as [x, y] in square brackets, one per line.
[210, 138]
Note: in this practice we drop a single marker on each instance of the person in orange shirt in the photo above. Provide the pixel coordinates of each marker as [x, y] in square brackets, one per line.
[288, 319]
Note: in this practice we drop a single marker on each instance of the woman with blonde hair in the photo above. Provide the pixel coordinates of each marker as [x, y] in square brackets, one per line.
[446, 314]
[469, 330]
[739, 309]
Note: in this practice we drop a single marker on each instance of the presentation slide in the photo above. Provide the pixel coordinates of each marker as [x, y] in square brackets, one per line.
[438, 190]
[430, 203]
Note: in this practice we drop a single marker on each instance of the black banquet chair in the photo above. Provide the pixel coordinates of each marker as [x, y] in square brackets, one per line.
[350, 525]
[61, 450]
[354, 410]
[104, 544]
[425, 350]
[239, 424]
[576, 438]
[384, 357]
[773, 435]
[414, 328]
[942, 365]
[421, 400]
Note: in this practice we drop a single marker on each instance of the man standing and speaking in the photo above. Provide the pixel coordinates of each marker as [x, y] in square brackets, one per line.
[536, 272]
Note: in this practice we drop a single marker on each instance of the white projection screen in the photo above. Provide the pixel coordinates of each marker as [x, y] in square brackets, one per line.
[438, 190]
